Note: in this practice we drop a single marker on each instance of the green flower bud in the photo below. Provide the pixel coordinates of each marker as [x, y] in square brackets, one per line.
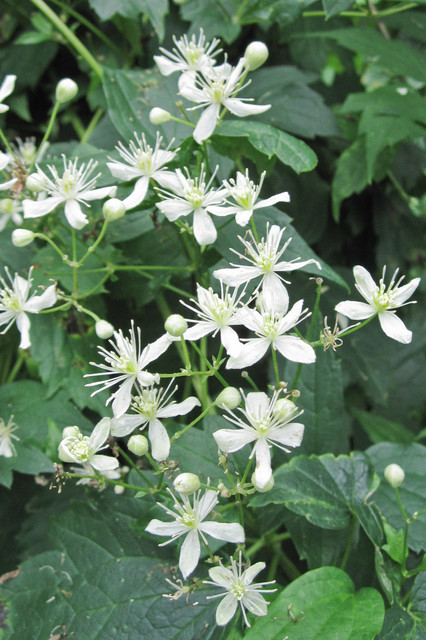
[256, 54]
[22, 237]
[138, 445]
[394, 475]
[186, 483]
[266, 488]
[228, 398]
[104, 329]
[284, 408]
[7, 205]
[176, 325]
[66, 90]
[113, 209]
[159, 116]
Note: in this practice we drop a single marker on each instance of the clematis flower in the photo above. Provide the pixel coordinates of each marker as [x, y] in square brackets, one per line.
[244, 194]
[188, 55]
[151, 406]
[9, 210]
[83, 450]
[216, 88]
[380, 301]
[7, 448]
[239, 589]
[4, 161]
[74, 188]
[188, 520]
[217, 313]
[15, 304]
[270, 329]
[6, 89]
[125, 366]
[265, 425]
[264, 258]
[188, 195]
[141, 162]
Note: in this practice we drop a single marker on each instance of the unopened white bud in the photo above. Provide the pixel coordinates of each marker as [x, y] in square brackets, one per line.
[256, 54]
[118, 489]
[104, 329]
[283, 409]
[269, 485]
[70, 432]
[22, 237]
[35, 182]
[186, 483]
[66, 90]
[176, 325]
[138, 445]
[7, 205]
[159, 116]
[394, 475]
[113, 209]
[228, 398]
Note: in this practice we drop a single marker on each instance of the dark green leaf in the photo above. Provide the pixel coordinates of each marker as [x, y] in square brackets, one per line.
[155, 11]
[334, 7]
[381, 429]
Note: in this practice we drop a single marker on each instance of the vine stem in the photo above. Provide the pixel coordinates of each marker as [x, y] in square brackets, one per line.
[70, 37]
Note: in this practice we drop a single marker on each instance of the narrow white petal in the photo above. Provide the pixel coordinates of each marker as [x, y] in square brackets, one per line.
[230, 341]
[275, 295]
[44, 301]
[207, 123]
[290, 435]
[257, 403]
[159, 528]
[138, 193]
[237, 276]
[355, 310]
[73, 213]
[160, 441]
[207, 503]
[226, 609]
[295, 349]
[365, 283]
[255, 603]
[38, 208]
[269, 202]
[100, 433]
[123, 171]
[189, 553]
[222, 576]
[204, 229]
[125, 425]
[178, 408]
[174, 209]
[23, 324]
[243, 109]
[403, 293]
[122, 398]
[394, 327]
[250, 353]
[263, 470]
[230, 440]
[7, 86]
[103, 463]
[199, 330]
[98, 194]
[230, 532]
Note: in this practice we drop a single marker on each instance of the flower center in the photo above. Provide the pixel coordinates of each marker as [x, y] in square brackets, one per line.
[270, 326]
[144, 160]
[245, 196]
[238, 589]
[189, 517]
[10, 301]
[146, 403]
[121, 364]
[68, 182]
[193, 54]
[80, 448]
[265, 259]
[194, 192]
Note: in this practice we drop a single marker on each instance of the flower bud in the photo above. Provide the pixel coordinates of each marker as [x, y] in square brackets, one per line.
[118, 489]
[256, 54]
[138, 445]
[394, 475]
[113, 209]
[283, 409]
[7, 205]
[35, 183]
[22, 237]
[159, 116]
[66, 90]
[176, 325]
[70, 432]
[104, 329]
[228, 398]
[269, 485]
[186, 483]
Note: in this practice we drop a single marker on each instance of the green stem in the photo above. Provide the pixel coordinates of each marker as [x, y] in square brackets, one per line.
[406, 523]
[47, 132]
[253, 226]
[191, 424]
[5, 142]
[18, 364]
[277, 373]
[75, 264]
[95, 244]
[134, 466]
[70, 37]
[349, 544]
[91, 126]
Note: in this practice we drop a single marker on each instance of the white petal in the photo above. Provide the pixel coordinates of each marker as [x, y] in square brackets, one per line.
[236, 277]
[230, 532]
[100, 434]
[138, 193]
[295, 349]
[160, 441]
[7, 86]
[263, 470]
[355, 310]
[394, 327]
[290, 435]
[230, 440]
[204, 229]
[250, 353]
[257, 403]
[222, 576]
[230, 341]
[250, 573]
[44, 301]
[103, 463]
[243, 217]
[226, 609]
[403, 293]
[23, 324]
[207, 503]
[179, 408]
[207, 123]
[74, 214]
[243, 109]
[189, 553]
[38, 208]
[98, 194]
[365, 283]
[269, 202]
[122, 398]
[125, 425]
[159, 528]
[174, 209]
[123, 171]
[275, 295]
[199, 330]
[255, 603]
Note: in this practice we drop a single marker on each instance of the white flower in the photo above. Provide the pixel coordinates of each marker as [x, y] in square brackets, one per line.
[216, 88]
[9, 210]
[244, 193]
[380, 301]
[141, 162]
[264, 259]
[73, 188]
[7, 448]
[270, 329]
[190, 195]
[151, 406]
[4, 161]
[188, 520]
[83, 449]
[240, 589]
[188, 56]
[216, 313]
[6, 89]
[15, 304]
[265, 426]
[125, 366]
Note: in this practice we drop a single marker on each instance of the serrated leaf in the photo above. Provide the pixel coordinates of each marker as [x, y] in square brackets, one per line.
[412, 491]
[322, 605]
[271, 141]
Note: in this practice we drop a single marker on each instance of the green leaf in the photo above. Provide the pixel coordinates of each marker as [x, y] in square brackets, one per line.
[381, 429]
[334, 7]
[325, 490]
[322, 605]
[103, 581]
[350, 175]
[155, 11]
[215, 18]
[400, 625]
[272, 142]
[395, 544]
[412, 491]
